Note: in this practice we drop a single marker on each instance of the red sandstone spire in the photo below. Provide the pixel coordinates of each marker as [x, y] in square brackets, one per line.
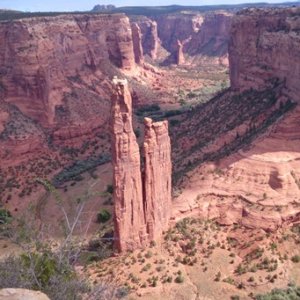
[130, 228]
[139, 217]
[157, 184]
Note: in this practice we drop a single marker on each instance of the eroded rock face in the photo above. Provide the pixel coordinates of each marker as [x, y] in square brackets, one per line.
[157, 179]
[150, 40]
[212, 37]
[202, 35]
[264, 46]
[137, 43]
[40, 55]
[55, 79]
[177, 27]
[249, 174]
[21, 294]
[142, 202]
[130, 226]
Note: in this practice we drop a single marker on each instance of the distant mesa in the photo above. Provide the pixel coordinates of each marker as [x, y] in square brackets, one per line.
[99, 7]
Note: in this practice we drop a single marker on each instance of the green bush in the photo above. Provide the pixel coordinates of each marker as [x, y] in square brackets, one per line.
[291, 293]
[5, 216]
[103, 216]
[174, 122]
[179, 279]
[43, 272]
[110, 189]
[296, 258]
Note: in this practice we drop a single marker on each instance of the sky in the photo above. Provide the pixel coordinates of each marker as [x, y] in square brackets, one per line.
[83, 5]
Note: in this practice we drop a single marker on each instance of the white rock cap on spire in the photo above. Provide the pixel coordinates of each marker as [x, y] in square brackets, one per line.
[117, 81]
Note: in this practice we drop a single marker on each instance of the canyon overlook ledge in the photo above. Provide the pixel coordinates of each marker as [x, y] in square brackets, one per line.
[142, 199]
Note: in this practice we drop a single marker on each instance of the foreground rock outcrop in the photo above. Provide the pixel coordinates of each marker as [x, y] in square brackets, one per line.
[142, 201]
[21, 294]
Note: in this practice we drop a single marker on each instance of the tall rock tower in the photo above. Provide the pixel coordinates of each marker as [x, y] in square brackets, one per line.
[142, 203]
[157, 177]
[130, 229]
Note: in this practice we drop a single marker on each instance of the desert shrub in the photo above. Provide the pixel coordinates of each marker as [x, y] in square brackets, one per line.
[295, 258]
[174, 122]
[171, 113]
[43, 272]
[110, 189]
[103, 216]
[191, 95]
[137, 132]
[179, 279]
[5, 216]
[74, 171]
[148, 108]
[291, 293]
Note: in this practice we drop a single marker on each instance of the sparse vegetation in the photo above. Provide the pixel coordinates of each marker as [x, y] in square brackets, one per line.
[103, 216]
[292, 293]
[295, 258]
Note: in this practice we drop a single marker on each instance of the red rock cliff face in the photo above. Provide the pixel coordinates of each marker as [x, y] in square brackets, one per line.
[150, 40]
[256, 126]
[142, 207]
[54, 76]
[212, 37]
[158, 181]
[137, 43]
[201, 34]
[264, 46]
[177, 27]
[41, 55]
[130, 227]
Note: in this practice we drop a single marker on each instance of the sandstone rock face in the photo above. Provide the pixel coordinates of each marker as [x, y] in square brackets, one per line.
[21, 294]
[213, 35]
[264, 46]
[157, 179]
[137, 43]
[142, 207]
[202, 35]
[40, 55]
[150, 40]
[180, 57]
[55, 78]
[130, 229]
[177, 27]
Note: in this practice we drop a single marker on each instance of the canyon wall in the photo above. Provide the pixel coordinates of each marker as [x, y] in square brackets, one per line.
[40, 56]
[150, 40]
[213, 35]
[142, 202]
[200, 34]
[55, 77]
[264, 46]
[239, 152]
[137, 43]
